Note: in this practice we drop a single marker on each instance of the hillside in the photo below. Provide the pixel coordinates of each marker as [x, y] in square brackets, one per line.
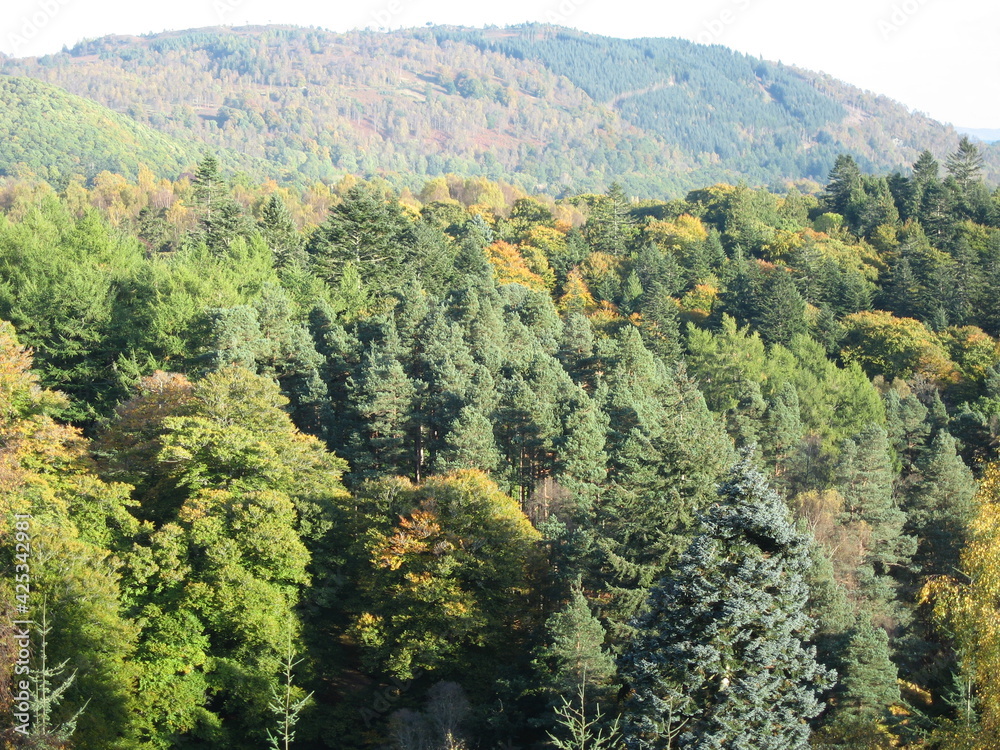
[55, 135]
[539, 106]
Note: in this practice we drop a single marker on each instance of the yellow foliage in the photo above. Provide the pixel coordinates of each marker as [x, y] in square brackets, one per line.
[511, 268]
[896, 347]
[700, 299]
[683, 231]
[576, 295]
[970, 607]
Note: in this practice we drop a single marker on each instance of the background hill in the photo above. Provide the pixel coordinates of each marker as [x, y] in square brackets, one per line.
[53, 134]
[540, 106]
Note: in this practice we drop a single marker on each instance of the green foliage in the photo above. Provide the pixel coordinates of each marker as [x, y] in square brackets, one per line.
[719, 657]
[531, 105]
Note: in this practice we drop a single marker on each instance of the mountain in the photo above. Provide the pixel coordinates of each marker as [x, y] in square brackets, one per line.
[541, 106]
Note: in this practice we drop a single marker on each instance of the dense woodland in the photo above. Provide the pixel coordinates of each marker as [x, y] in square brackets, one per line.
[549, 109]
[464, 467]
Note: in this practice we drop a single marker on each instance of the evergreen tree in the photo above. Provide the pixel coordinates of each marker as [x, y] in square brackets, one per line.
[574, 656]
[665, 453]
[781, 311]
[782, 425]
[611, 228]
[869, 688]
[280, 233]
[366, 231]
[864, 478]
[939, 506]
[843, 185]
[719, 658]
[869, 681]
[469, 444]
[965, 164]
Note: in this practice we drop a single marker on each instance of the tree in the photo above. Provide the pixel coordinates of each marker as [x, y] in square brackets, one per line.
[444, 567]
[965, 164]
[369, 233]
[574, 655]
[939, 506]
[280, 233]
[610, 227]
[864, 476]
[666, 452]
[869, 681]
[287, 703]
[781, 312]
[719, 658]
[46, 733]
[968, 607]
[584, 733]
[844, 183]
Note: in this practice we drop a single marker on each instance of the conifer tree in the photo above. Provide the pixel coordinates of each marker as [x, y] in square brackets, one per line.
[366, 231]
[939, 506]
[280, 233]
[966, 163]
[864, 477]
[719, 658]
[574, 654]
[611, 228]
[869, 681]
[780, 311]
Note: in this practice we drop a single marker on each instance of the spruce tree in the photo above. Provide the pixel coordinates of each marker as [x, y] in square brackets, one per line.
[719, 658]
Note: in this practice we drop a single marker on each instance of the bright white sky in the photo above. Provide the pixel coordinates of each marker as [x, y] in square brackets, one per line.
[941, 57]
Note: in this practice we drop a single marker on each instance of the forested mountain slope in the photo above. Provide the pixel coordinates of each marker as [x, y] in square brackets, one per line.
[547, 108]
[55, 134]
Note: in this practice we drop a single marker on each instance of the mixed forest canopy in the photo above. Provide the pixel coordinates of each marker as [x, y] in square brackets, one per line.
[463, 466]
[546, 108]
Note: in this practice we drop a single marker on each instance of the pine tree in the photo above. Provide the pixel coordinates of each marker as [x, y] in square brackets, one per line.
[782, 425]
[469, 444]
[719, 658]
[384, 397]
[869, 681]
[864, 477]
[869, 688]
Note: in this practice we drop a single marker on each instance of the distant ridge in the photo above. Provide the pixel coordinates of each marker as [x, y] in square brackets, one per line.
[987, 135]
[543, 107]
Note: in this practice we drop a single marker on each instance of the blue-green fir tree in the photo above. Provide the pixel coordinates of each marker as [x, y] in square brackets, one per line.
[719, 659]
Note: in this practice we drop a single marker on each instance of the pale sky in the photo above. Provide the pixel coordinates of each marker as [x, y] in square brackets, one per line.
[936, 56]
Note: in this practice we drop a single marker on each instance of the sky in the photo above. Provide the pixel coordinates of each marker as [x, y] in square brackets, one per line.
[935, 56]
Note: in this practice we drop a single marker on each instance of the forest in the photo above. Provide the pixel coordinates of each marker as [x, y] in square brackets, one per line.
[463, 466]
[545, 108]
